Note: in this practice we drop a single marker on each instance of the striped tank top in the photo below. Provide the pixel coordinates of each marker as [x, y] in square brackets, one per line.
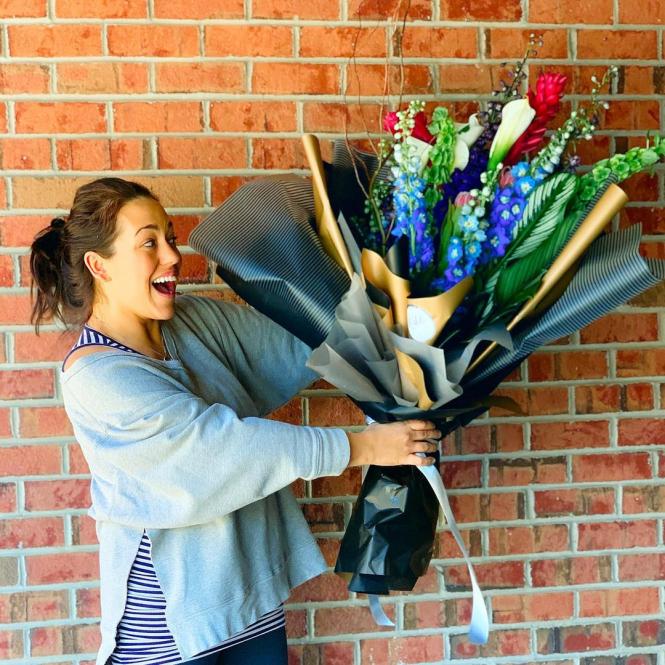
[142, 636]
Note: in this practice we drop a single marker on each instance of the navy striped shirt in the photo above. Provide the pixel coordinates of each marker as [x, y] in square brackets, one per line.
[142, 636]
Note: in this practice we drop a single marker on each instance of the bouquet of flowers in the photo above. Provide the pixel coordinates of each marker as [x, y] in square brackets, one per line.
[423, 274]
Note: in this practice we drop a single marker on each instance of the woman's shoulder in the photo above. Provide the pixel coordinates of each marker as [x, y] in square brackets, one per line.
[84, 351]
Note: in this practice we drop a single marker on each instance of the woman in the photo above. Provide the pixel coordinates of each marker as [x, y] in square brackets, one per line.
[201, 539]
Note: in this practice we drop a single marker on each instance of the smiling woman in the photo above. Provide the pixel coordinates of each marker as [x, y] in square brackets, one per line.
[201, 539]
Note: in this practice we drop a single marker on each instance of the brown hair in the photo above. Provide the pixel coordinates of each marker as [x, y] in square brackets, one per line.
[65, 287]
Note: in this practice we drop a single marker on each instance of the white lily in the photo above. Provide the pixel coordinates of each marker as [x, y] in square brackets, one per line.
[515, 118]
[470, 131]
[467, 135]
[420, 149]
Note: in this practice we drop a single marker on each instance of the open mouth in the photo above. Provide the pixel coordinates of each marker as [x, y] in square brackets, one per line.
[165, 286]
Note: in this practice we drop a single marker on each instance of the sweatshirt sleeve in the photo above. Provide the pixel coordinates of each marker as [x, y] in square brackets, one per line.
[165, 458]
[267, 359]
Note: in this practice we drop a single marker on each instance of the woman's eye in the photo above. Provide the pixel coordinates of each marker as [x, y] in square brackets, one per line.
[173, 240]
[147, 243]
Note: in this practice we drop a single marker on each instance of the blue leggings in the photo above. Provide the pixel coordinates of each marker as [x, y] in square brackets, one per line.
[266, 649]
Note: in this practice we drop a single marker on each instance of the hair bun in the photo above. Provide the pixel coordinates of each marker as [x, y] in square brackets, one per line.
[57, 223]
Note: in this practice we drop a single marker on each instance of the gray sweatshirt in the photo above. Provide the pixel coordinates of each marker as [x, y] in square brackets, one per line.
[179, 448]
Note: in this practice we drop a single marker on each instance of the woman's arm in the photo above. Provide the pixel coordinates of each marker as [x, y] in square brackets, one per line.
[267, 359]
[165, 458]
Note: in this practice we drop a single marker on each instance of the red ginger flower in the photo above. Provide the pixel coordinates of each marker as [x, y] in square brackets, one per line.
[545, 101]
[419, 131]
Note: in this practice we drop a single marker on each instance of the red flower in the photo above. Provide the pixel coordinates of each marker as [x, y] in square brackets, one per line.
[545, 101]
[420, 130]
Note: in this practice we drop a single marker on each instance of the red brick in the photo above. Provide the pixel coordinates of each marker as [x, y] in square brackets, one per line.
[47, 641]
[23, 8]
[84, 530]
[49, 41]
[6, 271]
[613, 328]
[649, 12]
[641, 431]
[278, 153]
[643, 499]
[202, 153]
[537, 401]
[640, 115]
[87, 603]
[618, 602]
[102, 77]
[368, 79]
[31, 460]
[184, 9]
[384, 9]
[480, 10]
[77, 463]
[83, 155]
[334, 117]
[416, 649]
[60, 117]
[200, 77]
[643, 633]
[24, 78]
[461, 474]
[609, 44]
[130, 155]
[570, 11]
[512, 42]
[640, 362]
[253, 116]
[7, 497]
[223, 187]
[525, 540]
[48, 346]
[248, 40]
[296, 623]
[591, 501]
[347, 484]
[573, 434]
[574, 570]
[25, 154]
[20, 231]
[323, 41]
[295, 78]
[598, 399]
[611, 467]
[527, 471]
[617, 535]
[334, 411]
[634, 567]
[500, 643]
[157, 117]
[32, 532]
[65, 567]
[11, 644]
[338, 620]
[59, 494]
[43, 421]
[153, 40]
[326, 587]
[26, 383]
[86, 638]
[46, 605]
[569, 639]
[496, 574]
[106, 9]
[652, 219]
[532, 607]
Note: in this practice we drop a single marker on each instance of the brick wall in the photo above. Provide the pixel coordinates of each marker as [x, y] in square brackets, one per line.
[563, 511]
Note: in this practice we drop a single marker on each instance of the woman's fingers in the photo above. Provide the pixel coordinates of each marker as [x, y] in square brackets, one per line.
[420, 424]
[423, 447]
[423, 434]
[417, 460]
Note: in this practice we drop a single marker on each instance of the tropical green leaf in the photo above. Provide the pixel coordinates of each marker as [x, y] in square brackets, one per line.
[544, 210]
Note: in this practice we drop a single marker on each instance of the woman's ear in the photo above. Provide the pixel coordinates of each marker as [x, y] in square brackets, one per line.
[96, 265]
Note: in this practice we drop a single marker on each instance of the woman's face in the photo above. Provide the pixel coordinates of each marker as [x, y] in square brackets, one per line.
[142, 273]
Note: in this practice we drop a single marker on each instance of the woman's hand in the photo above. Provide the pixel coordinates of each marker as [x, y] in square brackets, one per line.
[394, 443]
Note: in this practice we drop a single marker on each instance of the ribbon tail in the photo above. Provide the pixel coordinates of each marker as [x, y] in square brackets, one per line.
[379, 616]
[479, 628]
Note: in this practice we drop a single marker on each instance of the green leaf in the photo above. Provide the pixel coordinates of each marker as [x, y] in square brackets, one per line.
[545, 208]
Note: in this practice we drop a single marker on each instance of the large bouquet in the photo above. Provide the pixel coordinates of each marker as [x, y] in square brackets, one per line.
[422, 274]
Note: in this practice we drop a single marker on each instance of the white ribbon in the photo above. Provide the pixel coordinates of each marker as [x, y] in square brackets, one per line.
[479, 626]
